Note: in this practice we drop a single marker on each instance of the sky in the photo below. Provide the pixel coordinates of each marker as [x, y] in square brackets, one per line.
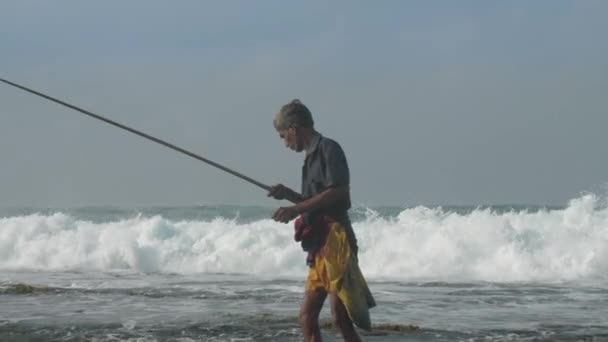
[434, 102]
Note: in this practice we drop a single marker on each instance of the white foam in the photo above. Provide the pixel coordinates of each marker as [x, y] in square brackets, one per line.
[419, 243]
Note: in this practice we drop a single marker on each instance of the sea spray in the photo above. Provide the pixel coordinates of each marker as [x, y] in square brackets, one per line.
[418, 243]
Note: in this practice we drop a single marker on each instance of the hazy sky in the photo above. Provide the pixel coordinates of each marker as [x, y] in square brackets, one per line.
[434, 102]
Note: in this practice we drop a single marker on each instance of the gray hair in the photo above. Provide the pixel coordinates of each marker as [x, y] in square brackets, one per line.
[293, 114]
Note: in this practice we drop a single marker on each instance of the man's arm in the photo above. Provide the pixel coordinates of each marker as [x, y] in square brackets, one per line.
[327, 198]
[281, 192]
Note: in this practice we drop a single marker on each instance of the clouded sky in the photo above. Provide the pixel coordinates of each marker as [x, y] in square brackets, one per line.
[434, 102]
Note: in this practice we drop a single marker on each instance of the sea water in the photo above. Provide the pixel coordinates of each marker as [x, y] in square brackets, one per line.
[228, 273]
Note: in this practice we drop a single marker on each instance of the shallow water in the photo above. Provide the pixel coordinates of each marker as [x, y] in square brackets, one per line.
[127, 306]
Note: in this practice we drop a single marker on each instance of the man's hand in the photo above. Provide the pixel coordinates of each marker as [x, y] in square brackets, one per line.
[285, 214]
[280, 192]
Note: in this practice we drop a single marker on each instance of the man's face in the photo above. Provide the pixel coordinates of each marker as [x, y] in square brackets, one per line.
[291, 138]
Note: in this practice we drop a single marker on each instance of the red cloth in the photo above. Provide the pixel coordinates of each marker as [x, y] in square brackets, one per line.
[311, 236]
[301, 230]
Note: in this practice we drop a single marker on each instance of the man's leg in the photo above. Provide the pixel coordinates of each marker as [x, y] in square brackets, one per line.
[309, 314]
[341, 319]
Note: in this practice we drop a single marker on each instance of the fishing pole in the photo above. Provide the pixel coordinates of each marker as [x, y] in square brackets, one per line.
[141, 134]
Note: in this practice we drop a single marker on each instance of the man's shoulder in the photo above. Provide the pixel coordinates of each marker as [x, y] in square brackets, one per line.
[331, 149]
[329, 143]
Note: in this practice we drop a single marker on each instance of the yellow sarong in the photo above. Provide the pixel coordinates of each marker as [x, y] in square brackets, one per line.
[336, 270]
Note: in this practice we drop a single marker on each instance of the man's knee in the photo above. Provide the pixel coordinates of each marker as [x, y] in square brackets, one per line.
[308, 320]
[339, 314]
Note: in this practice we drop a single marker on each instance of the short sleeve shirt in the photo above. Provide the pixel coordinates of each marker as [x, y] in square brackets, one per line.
[325, 167]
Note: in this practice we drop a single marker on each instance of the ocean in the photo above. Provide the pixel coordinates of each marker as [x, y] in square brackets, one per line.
[229, 273]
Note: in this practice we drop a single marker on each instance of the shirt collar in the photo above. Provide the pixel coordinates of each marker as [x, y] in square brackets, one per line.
[314, 142]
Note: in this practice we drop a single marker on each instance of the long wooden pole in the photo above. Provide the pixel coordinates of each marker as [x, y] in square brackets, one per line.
[141, 134]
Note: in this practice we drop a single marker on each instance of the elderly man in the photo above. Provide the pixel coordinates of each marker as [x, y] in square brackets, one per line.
[323, 227]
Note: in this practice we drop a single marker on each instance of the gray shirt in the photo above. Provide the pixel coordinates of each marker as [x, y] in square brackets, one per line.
[325, 167]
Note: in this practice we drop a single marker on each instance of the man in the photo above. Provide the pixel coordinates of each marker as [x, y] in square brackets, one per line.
[323, 227]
